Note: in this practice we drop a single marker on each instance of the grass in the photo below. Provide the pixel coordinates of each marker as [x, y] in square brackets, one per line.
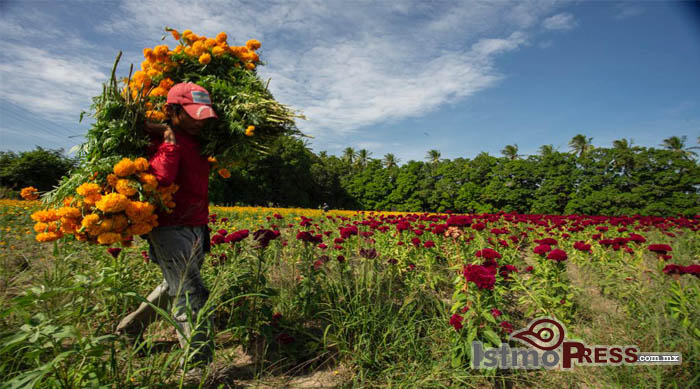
[359, 323]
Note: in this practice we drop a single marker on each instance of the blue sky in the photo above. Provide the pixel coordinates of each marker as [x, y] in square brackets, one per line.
[399, 77]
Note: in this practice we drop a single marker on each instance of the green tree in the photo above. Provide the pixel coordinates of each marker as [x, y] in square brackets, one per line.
[510, 152]
[580, 145]
[677, 144]
[433, 156]
[40, 168]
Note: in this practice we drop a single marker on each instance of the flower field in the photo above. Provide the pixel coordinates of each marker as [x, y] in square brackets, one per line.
[303, 297]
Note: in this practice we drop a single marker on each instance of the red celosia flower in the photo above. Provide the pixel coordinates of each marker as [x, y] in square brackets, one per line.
[145, 256]
[495, 312]
[222, 232]
[217, 239]
[547, 241]
[582, 246]
[264, 236]
[506, 327]
[428, 244]
[542, 249]
[479, 226]
[528, 269]
[557, 255]
[673, 269]
[479, 275]
[340, 258]
[660, 248]
[415, 242]
[692, 269]
[505, 271]
[637, 238]
[456, 322]
[236, 236]
[488, 253]
[114, 251]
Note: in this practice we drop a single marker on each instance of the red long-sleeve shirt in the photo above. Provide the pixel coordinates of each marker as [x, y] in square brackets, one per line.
[182, 164]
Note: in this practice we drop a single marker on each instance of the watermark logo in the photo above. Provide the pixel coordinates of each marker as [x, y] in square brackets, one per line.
[549, 348]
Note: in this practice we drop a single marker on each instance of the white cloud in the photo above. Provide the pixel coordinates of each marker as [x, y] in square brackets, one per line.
[627, 10]
[562, 21]
[58, 86]
[346, 65]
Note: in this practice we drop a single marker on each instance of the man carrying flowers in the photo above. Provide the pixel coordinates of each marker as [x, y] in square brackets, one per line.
[179, 243]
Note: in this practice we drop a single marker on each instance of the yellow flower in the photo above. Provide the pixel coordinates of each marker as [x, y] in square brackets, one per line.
[160, 50]
[224, 173]
[205, 58]
[209, 43]
[149, 182]
[69, 212]
[108, 238]
[45, 216]
[112, 180]
[221, 37]
[198, 48]
[139, 211]
[48, 236]
[124, 168]
[250, 66]
[40, 227]
[87, 189]
[91, 199]
[126, 187]
[250, 131]
[113, 202]
[155, 115]
[119, 222]
[253, 44]
[218, 51]
[29, 193]
[68, 226]
[155, 92]
[166, 83]
[139, 229]
[68, 201]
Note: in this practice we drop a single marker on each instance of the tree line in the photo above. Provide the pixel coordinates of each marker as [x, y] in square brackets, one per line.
[624, 179]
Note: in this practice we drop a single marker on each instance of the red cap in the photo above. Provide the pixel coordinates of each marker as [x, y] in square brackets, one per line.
[193, 98]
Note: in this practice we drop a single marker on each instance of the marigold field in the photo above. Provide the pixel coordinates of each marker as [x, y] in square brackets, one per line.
[306, 298]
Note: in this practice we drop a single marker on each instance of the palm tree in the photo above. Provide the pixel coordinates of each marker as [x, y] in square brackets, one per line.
[362, 158]
[510, 152]
[546, 150]
[349, 155]
[622, 144]
[390, 161]
[677, 144]
[433, 156]
[580, 145]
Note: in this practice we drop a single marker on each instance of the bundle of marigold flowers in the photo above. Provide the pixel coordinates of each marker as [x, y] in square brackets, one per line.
[123, 206]
[117, 199]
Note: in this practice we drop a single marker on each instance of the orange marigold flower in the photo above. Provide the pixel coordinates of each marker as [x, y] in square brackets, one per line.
[40, 227]
[198, 48]
[48, 236]
[119, 222]
[68, 201]
[253, 44]
[212, 160]
[112, 180]
[139, 229]
[155, 92]
[69, 212]
[224, 173]
[209, 43]
[176, 34]
[45, 216]
[106, 225]
[68, 226]
[138, 211]
[250, 66]
[221, 37]
[113, 202]
[157, 116]
[108, 238]
[149, 182]
[161, 50]
[166, 83]
[126, 187]
[250, 131]
[92, 199]
[29, 193]
[124, 168]
[205, 58]
[218, 51]
[87, 189]
[153, 73]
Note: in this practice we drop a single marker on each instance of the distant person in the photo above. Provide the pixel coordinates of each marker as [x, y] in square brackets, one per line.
[325, 207]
